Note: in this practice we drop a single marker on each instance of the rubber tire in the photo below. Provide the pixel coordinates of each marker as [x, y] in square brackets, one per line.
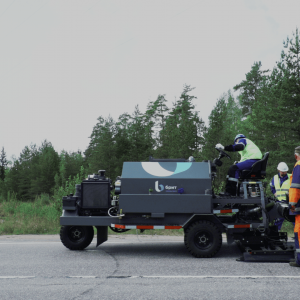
[85, 235]
[211, 239]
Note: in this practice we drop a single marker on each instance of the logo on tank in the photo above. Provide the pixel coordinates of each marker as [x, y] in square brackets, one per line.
[155, 169]
[169, 188]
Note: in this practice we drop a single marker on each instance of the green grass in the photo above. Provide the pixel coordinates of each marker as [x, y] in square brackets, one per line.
[38, 217]
[41, 216]
[288, 227]
[171, 232]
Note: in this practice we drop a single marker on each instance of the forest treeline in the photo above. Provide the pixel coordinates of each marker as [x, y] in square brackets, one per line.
[266, 110]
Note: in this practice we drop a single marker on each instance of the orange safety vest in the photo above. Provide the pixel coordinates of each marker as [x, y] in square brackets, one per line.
[294, 191]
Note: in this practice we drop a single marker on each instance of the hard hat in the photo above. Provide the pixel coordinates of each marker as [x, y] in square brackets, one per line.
[283, 167]
[239, 136]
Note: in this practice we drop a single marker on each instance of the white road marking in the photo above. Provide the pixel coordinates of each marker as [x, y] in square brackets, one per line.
[164, 277]
[138, 242]
[82, 276]
[28, 243]
[129, 242]
[207, 277]
[16, 277]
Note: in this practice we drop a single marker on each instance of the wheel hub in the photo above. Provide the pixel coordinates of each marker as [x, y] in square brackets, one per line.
[203, 239]
[76, 234]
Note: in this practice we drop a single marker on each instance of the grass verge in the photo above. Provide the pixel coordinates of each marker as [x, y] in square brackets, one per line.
[42, 217]
[28, 218]
[170, 232]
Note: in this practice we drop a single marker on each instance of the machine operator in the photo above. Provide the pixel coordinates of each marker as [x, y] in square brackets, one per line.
[250, 153]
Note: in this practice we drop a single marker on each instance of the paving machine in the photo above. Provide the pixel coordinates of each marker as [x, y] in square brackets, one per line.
[178, 194]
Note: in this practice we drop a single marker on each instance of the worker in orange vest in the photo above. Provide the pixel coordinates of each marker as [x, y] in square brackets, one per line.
[294, 204]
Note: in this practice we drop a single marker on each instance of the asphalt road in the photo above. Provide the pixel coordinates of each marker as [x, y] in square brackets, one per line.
[135, 267]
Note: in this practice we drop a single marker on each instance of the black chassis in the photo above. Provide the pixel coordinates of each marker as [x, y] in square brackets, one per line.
[244, 219]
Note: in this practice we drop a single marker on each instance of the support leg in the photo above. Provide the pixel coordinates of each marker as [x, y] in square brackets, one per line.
[101, 234]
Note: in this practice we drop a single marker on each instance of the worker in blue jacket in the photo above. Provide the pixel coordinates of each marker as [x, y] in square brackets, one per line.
[250, 154]
[280, 185]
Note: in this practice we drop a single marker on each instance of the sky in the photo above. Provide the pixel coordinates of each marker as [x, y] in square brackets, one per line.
[64, 63]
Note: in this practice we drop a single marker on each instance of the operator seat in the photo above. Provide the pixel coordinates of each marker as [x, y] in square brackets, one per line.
[257, 171]
[255, 174]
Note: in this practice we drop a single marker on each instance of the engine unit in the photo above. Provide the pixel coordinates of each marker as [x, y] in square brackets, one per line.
[95, 192]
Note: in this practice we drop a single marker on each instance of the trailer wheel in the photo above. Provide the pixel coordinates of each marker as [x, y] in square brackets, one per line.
[203, 239]
[76, 237]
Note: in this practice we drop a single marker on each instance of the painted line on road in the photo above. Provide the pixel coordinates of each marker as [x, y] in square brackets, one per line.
[16, 277]
[28, 243]
[129, 242]
[205, 277]
[81, 276]
[163, 277]
[138, 242]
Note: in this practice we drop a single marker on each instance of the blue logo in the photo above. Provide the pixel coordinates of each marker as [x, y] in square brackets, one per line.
[169, 188]
[159, 188]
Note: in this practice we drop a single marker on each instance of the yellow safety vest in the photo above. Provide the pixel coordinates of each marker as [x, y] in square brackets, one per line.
[251, 151]
[281, 190]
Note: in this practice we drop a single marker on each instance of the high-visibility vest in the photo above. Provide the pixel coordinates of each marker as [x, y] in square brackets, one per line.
[294, 192]
[251, 151]
[281, 190]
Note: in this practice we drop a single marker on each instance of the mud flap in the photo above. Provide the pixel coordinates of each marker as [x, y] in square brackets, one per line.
[101, 234]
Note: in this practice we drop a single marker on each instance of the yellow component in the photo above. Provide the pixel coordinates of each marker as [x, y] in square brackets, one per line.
[120, 214]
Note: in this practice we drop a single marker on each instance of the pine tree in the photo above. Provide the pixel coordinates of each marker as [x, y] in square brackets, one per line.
[251, 88]
[140, 136]
[258, 103]
[12, 178]
[3, 164]
[223, 127]
[289, 101]
[182, 135]
[169, 135]
[155, 117]
[101, 153]
[26, 172]
[44, 169]
[123, 145]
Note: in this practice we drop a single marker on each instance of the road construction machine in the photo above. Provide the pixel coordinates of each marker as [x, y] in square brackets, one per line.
[179, 194]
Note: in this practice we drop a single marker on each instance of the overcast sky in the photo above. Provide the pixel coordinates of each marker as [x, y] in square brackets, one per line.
[64, 63]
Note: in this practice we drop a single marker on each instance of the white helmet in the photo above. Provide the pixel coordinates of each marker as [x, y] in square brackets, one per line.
[283, 167]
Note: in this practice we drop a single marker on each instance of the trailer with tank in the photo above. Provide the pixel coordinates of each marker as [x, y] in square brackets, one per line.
[175, 194]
